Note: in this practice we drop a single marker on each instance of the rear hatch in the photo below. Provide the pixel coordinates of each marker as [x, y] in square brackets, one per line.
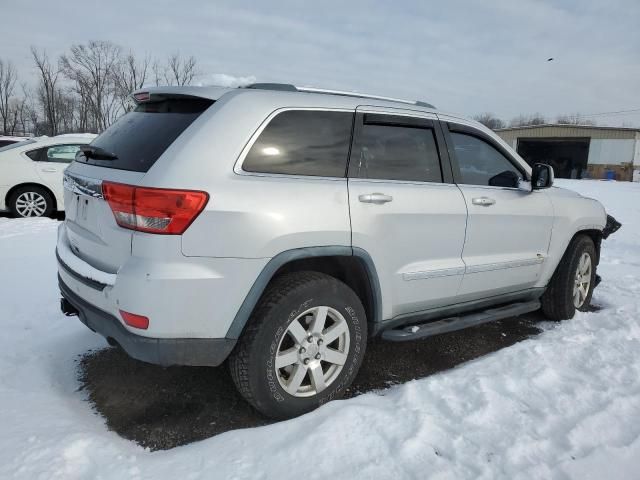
[122, 154]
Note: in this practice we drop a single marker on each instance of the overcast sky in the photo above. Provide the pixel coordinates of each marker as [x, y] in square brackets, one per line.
[468, 57]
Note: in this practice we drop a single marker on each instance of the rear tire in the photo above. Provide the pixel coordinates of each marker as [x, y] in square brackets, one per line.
[302, 347]
[30, 201]
[572, 284]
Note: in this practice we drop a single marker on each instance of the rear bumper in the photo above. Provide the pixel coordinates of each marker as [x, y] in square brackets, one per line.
[160, 351]
[183, 297]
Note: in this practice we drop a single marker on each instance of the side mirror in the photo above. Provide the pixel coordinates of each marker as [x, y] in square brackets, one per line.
[541, 176]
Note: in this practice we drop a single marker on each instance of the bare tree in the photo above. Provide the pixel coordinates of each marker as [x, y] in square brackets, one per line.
[130, 75]
[47, 90]
[159, 73]
[489, 120]
[8, 78]
[575, 119]
[528, 120]
[32, 112]
[67, 106]
[180, 71]
[23, 112]
[91, 68]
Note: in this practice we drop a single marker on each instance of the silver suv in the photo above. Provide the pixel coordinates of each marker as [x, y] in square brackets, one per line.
[281, 228]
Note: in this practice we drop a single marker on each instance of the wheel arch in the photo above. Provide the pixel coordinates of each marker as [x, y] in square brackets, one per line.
[13, 189]
[595, 235]
[591, 232]
[353, 266]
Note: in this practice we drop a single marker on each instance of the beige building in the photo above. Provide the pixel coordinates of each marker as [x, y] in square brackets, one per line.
[577, 151]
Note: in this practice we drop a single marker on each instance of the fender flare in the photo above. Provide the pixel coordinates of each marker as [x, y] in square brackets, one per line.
[269, 270]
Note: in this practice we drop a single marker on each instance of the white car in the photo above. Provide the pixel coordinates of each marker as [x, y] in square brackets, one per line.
[31, 173]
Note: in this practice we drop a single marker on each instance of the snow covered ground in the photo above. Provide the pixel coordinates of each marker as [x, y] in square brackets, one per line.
[564, 404]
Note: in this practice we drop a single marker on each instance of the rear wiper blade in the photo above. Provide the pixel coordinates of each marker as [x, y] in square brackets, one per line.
[91, 151]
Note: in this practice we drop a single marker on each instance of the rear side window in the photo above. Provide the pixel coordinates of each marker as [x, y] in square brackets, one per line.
[55, 153]
[390, 152]
[303, 142]
[140, 137]
[36, 155]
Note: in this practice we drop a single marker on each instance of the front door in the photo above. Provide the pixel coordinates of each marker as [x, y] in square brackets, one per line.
[508, 228]
[406, 213]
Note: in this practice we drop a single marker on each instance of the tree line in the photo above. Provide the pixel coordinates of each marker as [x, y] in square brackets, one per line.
[495, 123]
[83, 90]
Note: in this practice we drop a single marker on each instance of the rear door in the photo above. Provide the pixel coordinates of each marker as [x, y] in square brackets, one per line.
[508, 229]
[405, 210]
[137, 139]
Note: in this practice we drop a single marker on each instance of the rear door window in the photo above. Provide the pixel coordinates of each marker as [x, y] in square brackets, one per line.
[303, 142]
[396, 152]
[140, 137]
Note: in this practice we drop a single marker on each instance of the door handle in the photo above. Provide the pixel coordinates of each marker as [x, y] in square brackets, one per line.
[51, 170]
[377, 198]
[483, 201]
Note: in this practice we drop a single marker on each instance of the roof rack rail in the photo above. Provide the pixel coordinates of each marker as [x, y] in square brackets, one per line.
[287, 87]
[283, 87]
[364, 95]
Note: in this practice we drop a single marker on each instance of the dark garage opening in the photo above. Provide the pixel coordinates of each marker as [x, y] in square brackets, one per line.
[567, 156]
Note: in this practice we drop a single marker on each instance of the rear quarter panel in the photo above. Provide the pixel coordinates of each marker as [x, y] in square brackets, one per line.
[249, 215]
[260, 216]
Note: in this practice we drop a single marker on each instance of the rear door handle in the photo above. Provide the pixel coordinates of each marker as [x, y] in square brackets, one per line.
[377, 198]
[483, 201]
[51, 170]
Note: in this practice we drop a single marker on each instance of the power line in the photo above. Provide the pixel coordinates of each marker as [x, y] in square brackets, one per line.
[619, 112]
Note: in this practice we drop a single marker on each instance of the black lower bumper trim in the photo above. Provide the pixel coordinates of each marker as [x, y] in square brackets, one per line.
[160, 351]
[612, 226]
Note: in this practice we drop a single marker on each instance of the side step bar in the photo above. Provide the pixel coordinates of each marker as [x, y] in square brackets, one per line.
[451, 324]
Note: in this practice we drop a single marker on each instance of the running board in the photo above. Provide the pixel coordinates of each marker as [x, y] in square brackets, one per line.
[451, 324]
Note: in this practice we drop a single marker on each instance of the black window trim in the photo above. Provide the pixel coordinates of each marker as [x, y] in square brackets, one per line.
[40, 151]
[400, 119]
[238, 167]
[452, 127]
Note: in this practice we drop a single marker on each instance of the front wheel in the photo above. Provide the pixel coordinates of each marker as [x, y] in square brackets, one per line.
[302, 347]
[572, 284]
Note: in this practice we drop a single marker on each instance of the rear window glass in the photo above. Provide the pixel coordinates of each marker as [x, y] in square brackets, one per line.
[303, 142]
[140, 137]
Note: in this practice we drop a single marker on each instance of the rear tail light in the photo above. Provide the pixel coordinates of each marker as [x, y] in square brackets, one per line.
[135, 321]
[153, 210]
